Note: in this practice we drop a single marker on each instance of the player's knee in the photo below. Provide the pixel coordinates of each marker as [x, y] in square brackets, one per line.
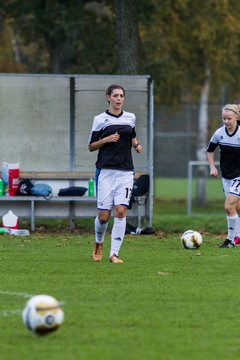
[120, 212]
[230, 209]
[103, 217]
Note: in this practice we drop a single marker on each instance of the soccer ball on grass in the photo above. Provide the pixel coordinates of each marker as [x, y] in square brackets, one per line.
[42, 314]
[191, 239]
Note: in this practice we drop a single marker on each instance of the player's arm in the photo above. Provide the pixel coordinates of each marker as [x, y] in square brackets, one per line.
[95, 145]
[136, 145]
[211, 160]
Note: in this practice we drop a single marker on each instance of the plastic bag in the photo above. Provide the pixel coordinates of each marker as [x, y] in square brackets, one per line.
[42, 189]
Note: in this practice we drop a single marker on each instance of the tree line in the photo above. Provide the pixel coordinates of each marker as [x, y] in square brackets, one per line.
[182, 44]
[189, 47]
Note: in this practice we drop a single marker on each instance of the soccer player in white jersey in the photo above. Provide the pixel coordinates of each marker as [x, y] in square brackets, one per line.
[228, 139]
[113, 135]
[237, 237]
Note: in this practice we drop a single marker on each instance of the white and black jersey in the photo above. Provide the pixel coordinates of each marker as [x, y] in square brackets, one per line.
[115, 155]
[229, 151]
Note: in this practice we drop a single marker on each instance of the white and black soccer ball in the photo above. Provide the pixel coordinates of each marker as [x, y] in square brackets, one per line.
[42, 314]
[191, 239]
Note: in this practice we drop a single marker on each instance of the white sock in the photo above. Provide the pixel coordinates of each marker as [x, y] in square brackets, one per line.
[237, 229]
[117, 236]
[100, 230]
[231, 222]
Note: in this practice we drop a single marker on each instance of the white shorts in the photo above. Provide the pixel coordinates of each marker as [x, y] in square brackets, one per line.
[231, 186]
[114, 187]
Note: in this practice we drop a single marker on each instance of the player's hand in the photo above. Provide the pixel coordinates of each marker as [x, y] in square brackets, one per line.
[214, 172]
[114, 137]
[138, 148]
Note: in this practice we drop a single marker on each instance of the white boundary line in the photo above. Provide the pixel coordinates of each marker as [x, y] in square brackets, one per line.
[12, 293]
[10, 312]
[17, 312]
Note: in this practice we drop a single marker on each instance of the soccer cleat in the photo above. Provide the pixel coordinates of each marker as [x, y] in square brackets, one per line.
[227, 244]
[115, 259]
[237, 240]
[97, 252]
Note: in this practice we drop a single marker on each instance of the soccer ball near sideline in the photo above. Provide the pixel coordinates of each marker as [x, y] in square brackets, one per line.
[191, 239]
[42, 314]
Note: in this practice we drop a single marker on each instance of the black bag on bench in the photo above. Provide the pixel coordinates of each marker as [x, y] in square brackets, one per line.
[25, 187]
[140, 188]
[72, 191]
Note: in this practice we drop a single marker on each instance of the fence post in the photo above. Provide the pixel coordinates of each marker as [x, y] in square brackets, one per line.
[190, 180]
[189, 192]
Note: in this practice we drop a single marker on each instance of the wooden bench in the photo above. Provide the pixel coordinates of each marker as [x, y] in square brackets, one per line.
[70, 207]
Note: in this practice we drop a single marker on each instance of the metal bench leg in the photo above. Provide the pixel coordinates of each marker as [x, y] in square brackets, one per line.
[139, 214]
[141, 201]
[32, 215]
[71, 215]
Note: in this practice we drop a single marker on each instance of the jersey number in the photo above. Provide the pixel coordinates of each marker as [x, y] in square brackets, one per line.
[128, 193]
[236, 183]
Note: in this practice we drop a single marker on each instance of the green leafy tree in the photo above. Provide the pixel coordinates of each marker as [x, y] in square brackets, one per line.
[192, 50]
[9, 55]
[59, 36]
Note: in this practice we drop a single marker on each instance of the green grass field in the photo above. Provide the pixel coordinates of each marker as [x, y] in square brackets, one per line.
[172, 192]
[176, 188]
[164, 302]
